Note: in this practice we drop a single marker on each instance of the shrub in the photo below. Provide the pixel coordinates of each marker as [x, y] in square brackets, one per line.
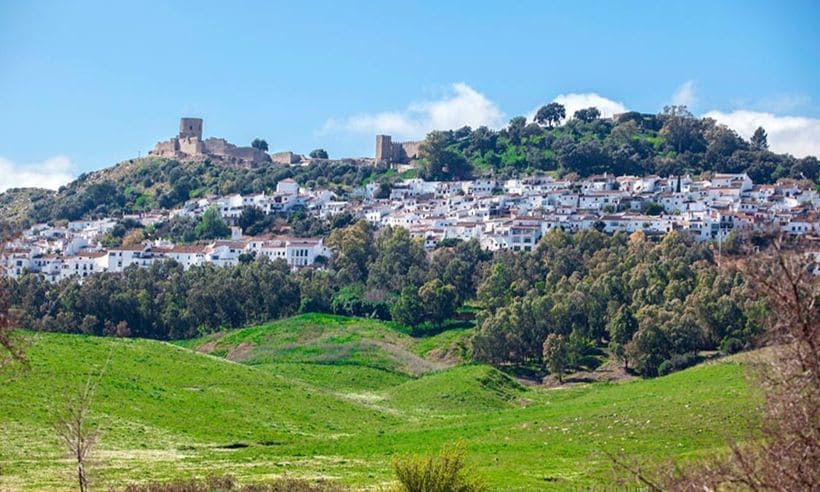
[678, 362]
[445, 472]
[731, 345]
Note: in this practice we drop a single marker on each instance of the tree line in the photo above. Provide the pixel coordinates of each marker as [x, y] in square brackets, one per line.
[653, 305]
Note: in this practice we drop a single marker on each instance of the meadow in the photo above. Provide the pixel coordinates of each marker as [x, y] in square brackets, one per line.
[334, 397]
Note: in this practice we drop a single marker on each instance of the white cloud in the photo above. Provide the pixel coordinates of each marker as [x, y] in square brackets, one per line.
[51, 173]
[796, 135]
[573, 102]
[462, 106]
[684, 95]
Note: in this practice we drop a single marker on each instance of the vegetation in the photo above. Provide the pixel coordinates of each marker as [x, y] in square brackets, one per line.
[673, 142]
[140, 185]
[647, 302]
[785, 454]
[227, 483]
[287, 409]
[446, 472]
[318, 154]
[260, 144]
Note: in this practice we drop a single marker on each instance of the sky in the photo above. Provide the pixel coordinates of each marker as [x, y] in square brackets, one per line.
[86, 84]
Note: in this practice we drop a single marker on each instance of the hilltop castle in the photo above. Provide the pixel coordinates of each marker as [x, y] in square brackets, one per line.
[390, 152]
[189, 145]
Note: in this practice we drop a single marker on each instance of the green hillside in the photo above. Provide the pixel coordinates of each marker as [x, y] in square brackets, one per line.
[167, 411]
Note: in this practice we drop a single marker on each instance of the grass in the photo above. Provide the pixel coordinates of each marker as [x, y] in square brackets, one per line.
[168, 412]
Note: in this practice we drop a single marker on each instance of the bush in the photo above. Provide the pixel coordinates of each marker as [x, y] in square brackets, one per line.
[678, 362]
[731, 345]
[446, 472]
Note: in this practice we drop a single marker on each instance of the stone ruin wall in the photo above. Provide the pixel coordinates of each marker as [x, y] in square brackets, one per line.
[395, 152]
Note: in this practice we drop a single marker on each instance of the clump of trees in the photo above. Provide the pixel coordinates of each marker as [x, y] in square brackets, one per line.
[649, 303]
[318, 154]
[259, 143]
[673, 142]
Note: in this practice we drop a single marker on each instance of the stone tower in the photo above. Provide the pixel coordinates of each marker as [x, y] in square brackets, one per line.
[190, 127]
[384, 148]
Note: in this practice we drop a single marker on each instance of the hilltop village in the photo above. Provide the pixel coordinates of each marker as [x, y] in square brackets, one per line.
[501, 215]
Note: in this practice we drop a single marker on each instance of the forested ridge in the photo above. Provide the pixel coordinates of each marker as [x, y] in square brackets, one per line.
[646, 303]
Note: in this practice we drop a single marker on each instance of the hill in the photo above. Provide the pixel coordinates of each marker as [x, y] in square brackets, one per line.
[169, 411]
[670, 143]
[337, 351]
[149, 183]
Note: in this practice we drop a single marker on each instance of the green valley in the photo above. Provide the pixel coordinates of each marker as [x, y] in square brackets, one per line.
[336, 397]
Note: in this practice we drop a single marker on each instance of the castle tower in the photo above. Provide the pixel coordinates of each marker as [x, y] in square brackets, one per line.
[384, 148]
[190, 127]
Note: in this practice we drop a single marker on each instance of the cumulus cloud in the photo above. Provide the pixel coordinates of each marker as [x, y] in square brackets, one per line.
[461, 106]
[684, 95]
[573, 102]
[796, 135]
[50, 173]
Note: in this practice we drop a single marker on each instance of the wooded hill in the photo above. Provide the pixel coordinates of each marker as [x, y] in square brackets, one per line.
[670, 143]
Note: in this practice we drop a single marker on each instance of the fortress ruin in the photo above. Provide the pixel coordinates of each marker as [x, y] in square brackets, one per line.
[189, 145]
[390, 152]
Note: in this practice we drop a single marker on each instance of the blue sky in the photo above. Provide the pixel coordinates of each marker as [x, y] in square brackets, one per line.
[86, 84]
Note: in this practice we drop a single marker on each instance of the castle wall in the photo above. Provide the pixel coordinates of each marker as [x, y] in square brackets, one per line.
[395, 152]
[190, 145]
[410, 149]
[284, 157]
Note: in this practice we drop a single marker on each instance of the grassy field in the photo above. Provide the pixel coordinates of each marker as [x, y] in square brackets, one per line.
[326, 396]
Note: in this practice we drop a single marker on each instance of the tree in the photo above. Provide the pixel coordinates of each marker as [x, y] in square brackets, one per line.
[134, 238]
[353, 251]
[318, 154]
[211, 226]
[400, 261]
[439, 300]
[439, 161]
[260, 144]
[648, 349]
[551, 114]
[253, 220]
[621, 328]
[10, 349]
[760, 141]
[652, 208]
[556, 355]
[681, 129]
[587, 114]
[408, 310]
[72, 426]
[494, 291]
[515, 129]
